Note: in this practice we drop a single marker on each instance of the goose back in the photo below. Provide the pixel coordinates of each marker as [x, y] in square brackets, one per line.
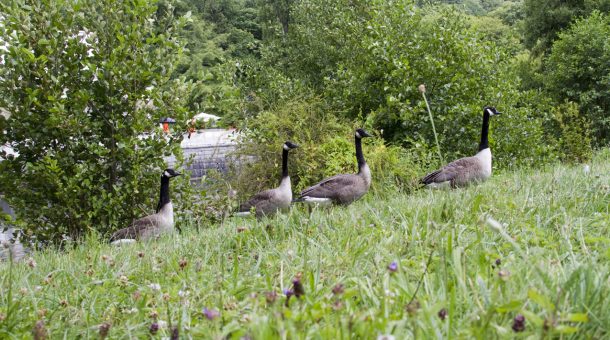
[270, 201]
[463, 171]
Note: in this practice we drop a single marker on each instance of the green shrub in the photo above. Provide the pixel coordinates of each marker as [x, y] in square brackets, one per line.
[84, 81]
[578, 70]
[573, 133]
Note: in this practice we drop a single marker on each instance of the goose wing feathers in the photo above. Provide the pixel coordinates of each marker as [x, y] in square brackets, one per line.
[459, 169]
[136, 230]
[262, 198]
[343, 188]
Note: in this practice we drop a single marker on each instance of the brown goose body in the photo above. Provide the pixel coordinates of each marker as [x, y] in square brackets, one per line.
[467, 170]
[345, 188]
[341, 189]
[463, 171]
[271, 201]
[152, 226]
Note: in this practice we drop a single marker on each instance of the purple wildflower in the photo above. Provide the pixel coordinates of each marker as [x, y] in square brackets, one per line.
[297, 287]
[154, 328]
[519, 323]
[393, 267]
[338, 289]
[289, 293]
[211, 314]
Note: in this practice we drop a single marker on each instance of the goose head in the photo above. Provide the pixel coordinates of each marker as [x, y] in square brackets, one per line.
[360, 133]
[169, 173]
[491, 111]
[288, 145]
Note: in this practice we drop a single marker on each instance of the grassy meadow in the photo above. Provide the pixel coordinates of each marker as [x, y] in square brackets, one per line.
[464, 263]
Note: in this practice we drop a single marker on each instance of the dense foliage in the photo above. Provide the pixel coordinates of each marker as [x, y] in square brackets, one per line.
[578, 69]
[86, 83]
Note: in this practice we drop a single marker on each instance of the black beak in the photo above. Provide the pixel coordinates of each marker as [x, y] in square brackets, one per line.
[365, 134]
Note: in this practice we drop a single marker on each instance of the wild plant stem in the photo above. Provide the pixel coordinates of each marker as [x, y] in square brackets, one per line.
[422, 277]
[438, 147]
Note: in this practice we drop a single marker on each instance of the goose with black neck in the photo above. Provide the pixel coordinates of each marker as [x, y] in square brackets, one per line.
[345, 188]
[151, 226]
[467, 170]
[270, 201]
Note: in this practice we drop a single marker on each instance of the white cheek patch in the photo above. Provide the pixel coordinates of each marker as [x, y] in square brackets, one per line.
[490, 112]
[166, 174]
[358, 135]
[286, 147]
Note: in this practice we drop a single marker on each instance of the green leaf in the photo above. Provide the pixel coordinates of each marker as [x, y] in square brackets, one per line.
[563, 329]
[578, 317]
[510, 307]
[541, 300]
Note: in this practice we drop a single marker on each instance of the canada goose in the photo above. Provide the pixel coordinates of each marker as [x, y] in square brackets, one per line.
[342, 189]
[466, 170]
[270, 201]
[152, 225]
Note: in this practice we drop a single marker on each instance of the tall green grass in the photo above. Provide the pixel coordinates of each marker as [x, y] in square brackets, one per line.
[531, 242]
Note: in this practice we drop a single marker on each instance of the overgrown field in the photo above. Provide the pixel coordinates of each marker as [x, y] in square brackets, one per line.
[434, 264]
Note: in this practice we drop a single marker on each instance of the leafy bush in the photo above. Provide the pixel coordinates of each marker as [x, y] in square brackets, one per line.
[578, 70]
[85, 83]
[573, 133]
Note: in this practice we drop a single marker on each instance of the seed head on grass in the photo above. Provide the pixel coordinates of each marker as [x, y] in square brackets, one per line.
[182, 263]
[154, 328]
[338, 289]
[519, 323]
[413, 307]
[31, 263]
[39, 332]
[271, 297]
[103, 330]
[123, 280]
[297, 286]
[442, 314]
[175, 334]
